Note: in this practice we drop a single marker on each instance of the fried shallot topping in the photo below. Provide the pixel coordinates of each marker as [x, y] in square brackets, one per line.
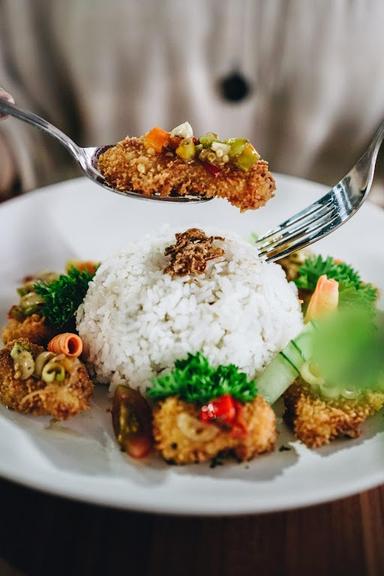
[191, 252]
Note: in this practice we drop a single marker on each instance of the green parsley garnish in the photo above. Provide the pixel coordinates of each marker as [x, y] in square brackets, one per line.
[63, 296]
[352, 290]
[193, 379]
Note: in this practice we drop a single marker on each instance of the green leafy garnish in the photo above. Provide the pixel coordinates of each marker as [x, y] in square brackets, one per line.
[348, 350]
[352, 290]
[193, 379]
[63, 296]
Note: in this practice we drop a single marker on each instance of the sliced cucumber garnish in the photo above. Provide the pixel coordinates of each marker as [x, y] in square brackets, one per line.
[285, 367]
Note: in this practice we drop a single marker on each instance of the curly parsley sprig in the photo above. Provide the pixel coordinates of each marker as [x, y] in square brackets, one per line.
[352, 290]
[63, 296]
[193, 379]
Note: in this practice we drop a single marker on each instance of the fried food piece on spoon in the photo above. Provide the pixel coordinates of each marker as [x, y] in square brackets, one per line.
[176, 163]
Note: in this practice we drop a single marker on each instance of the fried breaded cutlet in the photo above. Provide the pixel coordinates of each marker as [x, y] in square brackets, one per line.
[130, 165]
[33, 395]
[33, 328]
[316, 421]
[181, 438]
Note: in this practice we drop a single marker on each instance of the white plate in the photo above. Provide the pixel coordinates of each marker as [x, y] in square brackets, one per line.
[79, 458]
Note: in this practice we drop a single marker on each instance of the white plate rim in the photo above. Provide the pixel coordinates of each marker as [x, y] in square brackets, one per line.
[237, 507]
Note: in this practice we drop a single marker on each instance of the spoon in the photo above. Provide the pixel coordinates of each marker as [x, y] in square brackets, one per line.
[87, 158]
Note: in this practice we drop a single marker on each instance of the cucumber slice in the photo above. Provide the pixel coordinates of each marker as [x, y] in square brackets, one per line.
[286, 366]
[276, 378]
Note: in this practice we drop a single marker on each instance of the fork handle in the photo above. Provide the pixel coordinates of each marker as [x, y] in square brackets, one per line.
[44, 125]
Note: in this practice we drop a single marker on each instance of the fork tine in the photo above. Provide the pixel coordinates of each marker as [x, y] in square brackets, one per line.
[299, 230]
[305, 239]
[320, 205]
[293, 229]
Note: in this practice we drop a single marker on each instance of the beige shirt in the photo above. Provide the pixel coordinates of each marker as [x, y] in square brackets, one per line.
[101, 70]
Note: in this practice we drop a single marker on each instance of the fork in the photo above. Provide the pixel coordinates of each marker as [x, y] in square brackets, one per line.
[326, 214]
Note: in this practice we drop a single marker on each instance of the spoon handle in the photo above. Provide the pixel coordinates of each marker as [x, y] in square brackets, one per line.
[35, 120]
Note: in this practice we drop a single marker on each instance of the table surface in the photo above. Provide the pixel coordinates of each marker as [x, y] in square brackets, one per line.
[41, 534]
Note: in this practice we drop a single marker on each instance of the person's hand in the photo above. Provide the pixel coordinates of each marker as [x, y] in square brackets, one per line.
[5, 96]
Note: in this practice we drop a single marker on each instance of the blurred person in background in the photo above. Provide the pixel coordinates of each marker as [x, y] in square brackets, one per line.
[301, 79]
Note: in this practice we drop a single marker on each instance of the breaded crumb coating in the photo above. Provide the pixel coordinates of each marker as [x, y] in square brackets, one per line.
[129, 165]
[181, 438]
[33, 328]
[34, 396]
[316, 421]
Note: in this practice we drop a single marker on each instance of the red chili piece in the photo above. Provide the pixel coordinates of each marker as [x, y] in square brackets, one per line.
[222, 409]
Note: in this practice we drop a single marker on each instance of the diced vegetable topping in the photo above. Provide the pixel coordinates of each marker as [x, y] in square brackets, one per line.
[209, 148]
[236, 146]
[208, 139]
[220, 148]
[157, 138]
[247, 158]
[222, 409]
[184, 130]
[187, 150]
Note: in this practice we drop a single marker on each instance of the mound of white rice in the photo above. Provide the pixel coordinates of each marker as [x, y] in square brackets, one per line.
[136, 320]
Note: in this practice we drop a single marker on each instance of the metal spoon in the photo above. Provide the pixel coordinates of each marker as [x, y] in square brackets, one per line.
[87, 158]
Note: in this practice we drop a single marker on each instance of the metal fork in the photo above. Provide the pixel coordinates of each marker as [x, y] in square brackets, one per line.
[326, 214]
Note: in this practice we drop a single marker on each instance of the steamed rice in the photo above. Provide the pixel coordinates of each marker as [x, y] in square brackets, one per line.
[136, 320]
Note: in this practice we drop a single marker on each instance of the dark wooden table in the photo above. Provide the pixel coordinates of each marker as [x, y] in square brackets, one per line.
[41, 534]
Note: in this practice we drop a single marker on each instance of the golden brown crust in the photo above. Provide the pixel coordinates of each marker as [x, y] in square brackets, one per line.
[317, 422]
[33, 396]
[131, 166]
[171, 441]
[33, 328]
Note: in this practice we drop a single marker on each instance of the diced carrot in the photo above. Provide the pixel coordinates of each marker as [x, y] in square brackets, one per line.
[324, 299]
[67, 343]
[157, 138]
